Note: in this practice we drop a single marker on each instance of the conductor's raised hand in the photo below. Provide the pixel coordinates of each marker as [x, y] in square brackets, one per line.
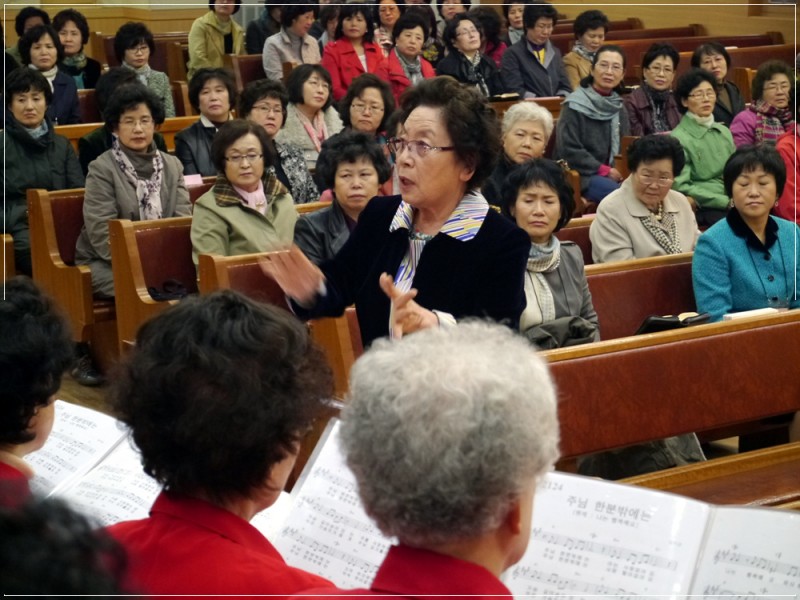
[406, 316]
[299, 278]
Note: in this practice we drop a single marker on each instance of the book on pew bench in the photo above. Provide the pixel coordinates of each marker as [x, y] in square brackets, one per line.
[656, 323]
[589, 537]
[89, 462]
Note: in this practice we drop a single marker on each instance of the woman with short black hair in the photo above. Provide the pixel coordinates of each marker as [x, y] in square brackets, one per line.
[769, 115]
[310, 117]
[590, 28]
[406, 64]
[292, 43]
[714, 58]
[41, 49]
[133, 47]
[465, 62]
[652, 107]
[218, 393]
[73, 31]
[248, 209]
[212, 93]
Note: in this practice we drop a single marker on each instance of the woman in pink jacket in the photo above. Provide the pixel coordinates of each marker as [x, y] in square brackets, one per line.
[353, 52]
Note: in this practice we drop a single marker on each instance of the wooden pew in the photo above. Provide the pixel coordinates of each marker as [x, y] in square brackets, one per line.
[180, 98]
[177, 53]
[566, 25]
[564, 41]
[56, 220]
[309, 207]
[88, 107]
[743, 79]
[625, 293]
[627, 391]
[577, 230]
[168, 129]
[245, 68]
[158, 59]
[621, 159]
[766, 477]
[751, 57]
[551, 103]
[147, 254]
[9, 267]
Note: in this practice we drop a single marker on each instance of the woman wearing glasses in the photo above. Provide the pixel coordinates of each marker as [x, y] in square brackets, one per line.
[706, 146]
[248, 209]
[464, 60]
[644, 217]
[133, 46]
[652, 108]
[133, 180]
[435, 254]
[769, 115]
[593, 120]
[264, 102]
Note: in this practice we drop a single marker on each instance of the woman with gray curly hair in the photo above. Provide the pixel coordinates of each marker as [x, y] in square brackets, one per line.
[447, 432]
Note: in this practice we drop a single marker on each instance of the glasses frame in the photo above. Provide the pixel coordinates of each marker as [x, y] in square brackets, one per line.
[250, 158]
[415, 147]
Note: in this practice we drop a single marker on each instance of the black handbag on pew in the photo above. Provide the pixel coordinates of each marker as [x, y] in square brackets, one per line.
[655, 323]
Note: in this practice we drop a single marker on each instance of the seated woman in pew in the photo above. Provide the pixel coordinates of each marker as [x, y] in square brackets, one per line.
[133, 47]
[406, 64]
[590, 29]
[713, 57]
[292, 43]
[35, 157]
[464, 60]
[706, 147]
[788, 206]
[133, 180]
[592, 122]
[94, 143]
[212, 93]
[35, 349]
[769, 115]
[265, 102]
[527, 128]
[218, 426]
[652, 107]
[437, 252]
[214, 35]
[750, 259]
[558, 309]
[644, 217]
[41, 49]
[448, 433]
[353, 165]
[311, 117]
[248, 209]
[73, 31]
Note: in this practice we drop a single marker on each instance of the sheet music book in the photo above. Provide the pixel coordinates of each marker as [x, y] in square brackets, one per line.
[588, 537]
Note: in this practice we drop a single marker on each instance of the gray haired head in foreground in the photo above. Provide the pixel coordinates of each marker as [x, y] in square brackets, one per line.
[446, 427]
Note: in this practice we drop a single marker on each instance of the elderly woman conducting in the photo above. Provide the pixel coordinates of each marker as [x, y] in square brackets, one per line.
[645, 217]
[248, 209]
[133, 180]
[526, 129]
[436, 253]
[354, 168]
[750, 259]
[242, 385]
[706, 146]
[478, 399]
[558, 310]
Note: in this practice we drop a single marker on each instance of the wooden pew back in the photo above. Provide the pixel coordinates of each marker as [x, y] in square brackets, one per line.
[564, 41]
[245, 68]
[56, 220]
[625, 293]
[88, 106]
[158, 59]
[9, 266]
[577, 230]
[147, 254]
[627, 391]
[168, 129]
[750, 57]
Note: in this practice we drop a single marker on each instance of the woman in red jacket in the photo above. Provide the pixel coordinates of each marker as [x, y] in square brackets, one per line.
[405, 62]
[353, 52]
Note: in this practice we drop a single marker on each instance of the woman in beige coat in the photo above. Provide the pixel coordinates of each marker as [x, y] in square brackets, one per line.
[644, 217]
[214, 35]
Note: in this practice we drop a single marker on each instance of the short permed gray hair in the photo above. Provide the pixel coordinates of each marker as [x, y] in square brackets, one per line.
[528, 111]
[445, 428]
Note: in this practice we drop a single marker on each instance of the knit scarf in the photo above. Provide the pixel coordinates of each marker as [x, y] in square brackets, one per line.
[50, 74]
[317, 129]
[37, 132]
[771, 122]
[587, 101]
[664, 229]
[581, 50]
[706, 122]
[413, 70]
[148, 191]
[475, 74]
[658, 100]
[142, 73]
[540, 306]
[77, 61]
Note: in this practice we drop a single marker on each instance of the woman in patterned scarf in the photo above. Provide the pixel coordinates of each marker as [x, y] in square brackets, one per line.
[769, 115]
[645, 217]
[590, 29]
